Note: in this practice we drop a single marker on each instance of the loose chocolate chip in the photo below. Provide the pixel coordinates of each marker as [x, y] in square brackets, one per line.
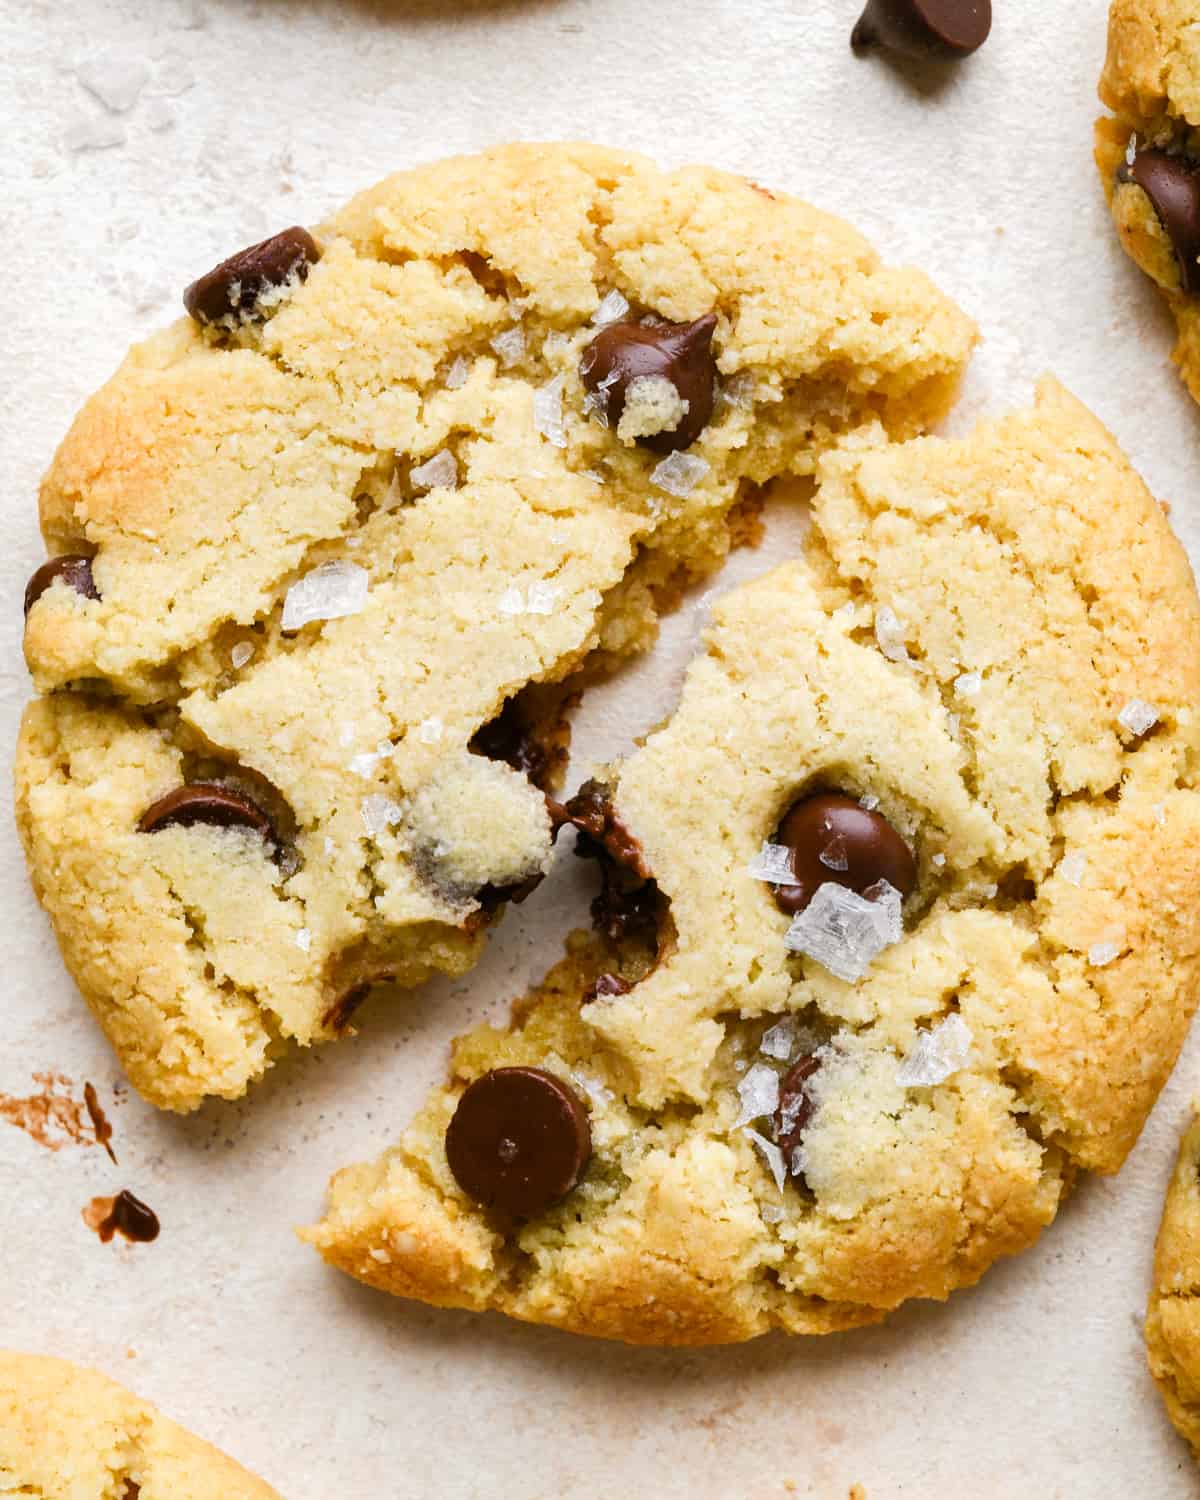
[519, 1140]
[1172, 183]
[233, 289]
[124, 1215]
[73, 570]
[206, 802]
[795, 1107]
[924, 28]
[834, 838]
[678, 352]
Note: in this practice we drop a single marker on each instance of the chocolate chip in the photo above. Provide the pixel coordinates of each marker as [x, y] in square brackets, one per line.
[206, 802]
[608, 986]
[1172, 183]
[75, 571]
[124, 1215]
[519, 1140]
[795, 1107]
[940, 29]
[591, 811]
[678, 352]
[834, 838]
[233, 290]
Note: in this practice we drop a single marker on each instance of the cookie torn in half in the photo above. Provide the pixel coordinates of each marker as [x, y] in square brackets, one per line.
[328, 553]
[896, 929]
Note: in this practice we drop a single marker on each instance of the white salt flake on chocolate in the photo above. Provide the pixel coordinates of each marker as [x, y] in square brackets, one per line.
[834, 856]
[458, 374]
[1072, 867]
[613, 308]
[548, 412]
[380, 813]
[304, 940]
[759, 1093]
[870, 802]
[843, 931]
[1138, 717]
[1100, 955]
[939, 1053]
[93, 133]
[509, 346]
[773, 1157]
[241, 654]
[889, 634]
[779, 1041]
[328, 592]
[437, 473]
[679, 474]
[774, 863]
[429, 732]
[968, 684]
[115, 78]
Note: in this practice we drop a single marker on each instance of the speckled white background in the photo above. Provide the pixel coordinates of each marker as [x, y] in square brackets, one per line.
[1033, 1385]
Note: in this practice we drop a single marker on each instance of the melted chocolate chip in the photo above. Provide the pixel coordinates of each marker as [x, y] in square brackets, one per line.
[591, 811]
[536, 744]
[73, 570]
[795, 1107]
[206, 802]
[941, 29]
[678, 352]
[834, 838]
[1172, 183]
[124, 1215]
[234, 289]
[519, 1140]
[339, 1015]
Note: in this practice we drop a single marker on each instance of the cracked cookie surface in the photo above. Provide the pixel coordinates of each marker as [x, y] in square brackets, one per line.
[1173, 1314]
[992, 647]
[1148, 154]
[311, 549]
[69, 1433]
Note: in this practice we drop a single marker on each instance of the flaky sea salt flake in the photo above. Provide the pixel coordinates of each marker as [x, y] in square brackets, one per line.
[429, 732]
[509, 346]
[328, 592]
[968, 684]
[759, 1093]
[1072, 867]
[548, 412]
[779, 1041]
[679, 474]
[771, 1213]
[939, 1053]
[1100, 955]
[613, 308]
[304, 940]
[380, 813]
[241, 654]
[774, 863]
[458, 374]
[1138, 717]
[543, 598]
[833, 854]
[773, 1157]
[843, 931]
[889, 634]
[437, 473]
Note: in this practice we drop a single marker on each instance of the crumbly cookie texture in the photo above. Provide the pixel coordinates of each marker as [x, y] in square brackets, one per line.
[1173, 1315]
[400, 440]
[1151, 82]
[973, 630]
[68, 1433]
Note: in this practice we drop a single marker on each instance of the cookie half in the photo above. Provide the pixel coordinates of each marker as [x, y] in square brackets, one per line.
[326, 551]
[68, 1433]
[1148, 153]
[1173, 1315]
[896, 932]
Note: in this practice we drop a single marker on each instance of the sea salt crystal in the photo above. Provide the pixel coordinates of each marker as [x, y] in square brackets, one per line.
[458, 374]
[429, 731]
[594, 475]
[771, 1213]
[1102, 954]
[773, 1157]
[774, 863]
[759, 1093]
[870, 802]
[93, 133]
[679, 474]
[613, 307]
[740, 390]
[595, 402]
[548, 412]
[380, 813]
[511, 601]
[592, 1087]
[969, 684]
[304, 940]
[115, 78]
[844, 931]
[539, 601]
[889, 634]
[1138, 718]
[327, 592]
[779, 1041]
[1159, 809]
[939, 1053]
[1072, 867]
[833, 855]
[1131, 150]
[938, 860]
[509, 346]
[241, 654]
[381, 1256]
[437, 473]
[364, 764]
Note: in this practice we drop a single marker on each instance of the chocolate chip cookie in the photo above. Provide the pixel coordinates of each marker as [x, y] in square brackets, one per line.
[895, 930]
[330, 554]
[1173, 1316]
[67, 1433]
[1148, 153]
